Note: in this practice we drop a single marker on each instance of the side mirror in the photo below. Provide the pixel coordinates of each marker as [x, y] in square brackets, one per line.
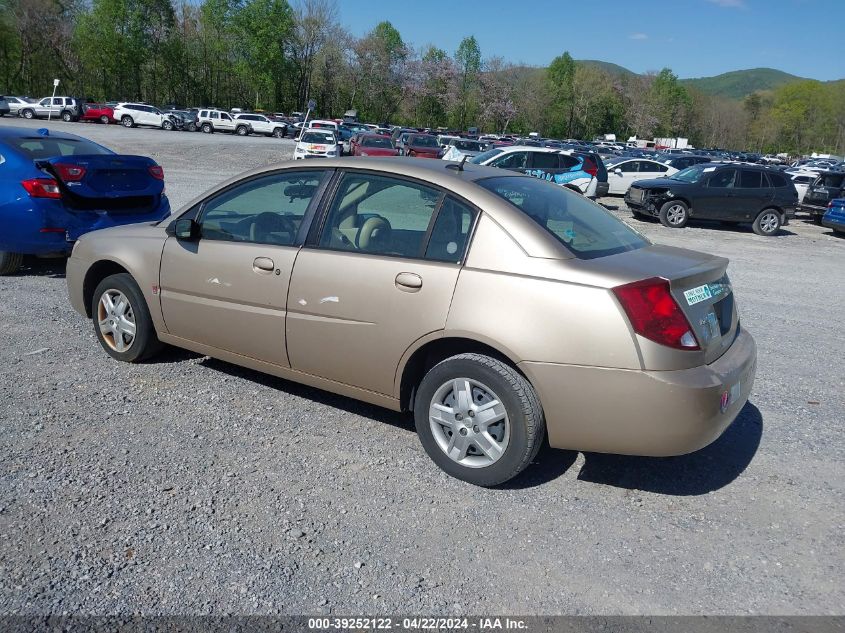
[617, 171]
[185, 229]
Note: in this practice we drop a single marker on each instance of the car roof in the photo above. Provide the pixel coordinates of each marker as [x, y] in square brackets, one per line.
[26, 132]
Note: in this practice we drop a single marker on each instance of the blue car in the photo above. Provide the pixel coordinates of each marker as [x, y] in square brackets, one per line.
[55, 187]
[834, 217]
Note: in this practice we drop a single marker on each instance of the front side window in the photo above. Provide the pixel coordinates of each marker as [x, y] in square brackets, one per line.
[583, 227]
[722, 180]
[378, 214]
[630, 166]
[513, 160]
[485, 156]
[266, 210]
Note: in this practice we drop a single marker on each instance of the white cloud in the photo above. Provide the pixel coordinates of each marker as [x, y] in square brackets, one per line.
[729, 4]
[638, 36]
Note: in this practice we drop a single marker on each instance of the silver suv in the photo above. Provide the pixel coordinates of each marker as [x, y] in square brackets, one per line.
[66, 108]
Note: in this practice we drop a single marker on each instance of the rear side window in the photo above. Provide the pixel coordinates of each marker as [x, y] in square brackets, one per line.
[750, 179]
[568, 162]
[450, 233]
[544, 160]
[583, 227]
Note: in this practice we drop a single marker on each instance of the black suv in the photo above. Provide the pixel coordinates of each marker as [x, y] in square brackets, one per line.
[715, 191]
[828, 185]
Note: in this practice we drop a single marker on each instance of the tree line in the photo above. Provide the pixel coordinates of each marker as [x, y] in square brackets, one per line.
[275, 56]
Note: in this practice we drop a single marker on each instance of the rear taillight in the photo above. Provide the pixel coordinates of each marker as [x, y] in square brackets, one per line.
[655, 314]
[42, 188]
[69, 173]
[156, 172]
[591, 168]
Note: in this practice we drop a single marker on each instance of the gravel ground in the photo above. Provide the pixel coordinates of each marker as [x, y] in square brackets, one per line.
[187, 485]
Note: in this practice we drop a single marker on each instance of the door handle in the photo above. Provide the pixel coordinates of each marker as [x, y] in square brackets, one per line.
[263, 265]
[409, 282]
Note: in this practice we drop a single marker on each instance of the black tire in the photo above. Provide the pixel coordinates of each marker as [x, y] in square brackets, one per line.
[767, 222]
[527, 424]
[279, 132]
[817, 219]
[167, 124]
[241, 130]
[67, 117]
[145, 343]
[674, 214]
[127, 121]
[192, 127]
[10, 262]
[28, 114]
[104, 119]
[207, 128]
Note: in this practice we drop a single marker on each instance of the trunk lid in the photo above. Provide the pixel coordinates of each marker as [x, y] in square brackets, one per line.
[114, 183]
[698, 282]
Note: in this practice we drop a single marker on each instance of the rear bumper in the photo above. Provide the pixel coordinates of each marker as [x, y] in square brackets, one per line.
[655, 413]
[834, 221]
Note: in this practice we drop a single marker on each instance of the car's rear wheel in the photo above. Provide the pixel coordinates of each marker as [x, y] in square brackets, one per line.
[28, 114]
[104, 119]
[767, 223]
[674, 214]
[66, 117]
[122, 321]
[127, 121]
[478, 419]
[206, 127]
[10, 262]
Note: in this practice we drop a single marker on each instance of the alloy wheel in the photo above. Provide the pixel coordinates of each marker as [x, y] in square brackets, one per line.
[116, 319]
[676, 214]
[769, 222]
[469, 422]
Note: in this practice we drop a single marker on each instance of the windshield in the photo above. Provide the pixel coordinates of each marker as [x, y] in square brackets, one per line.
[317, 137]
[484, 157]
[585, 228]
[423, 141]
[469, 146]
[46, 147]
[376, 141]
[690, 174]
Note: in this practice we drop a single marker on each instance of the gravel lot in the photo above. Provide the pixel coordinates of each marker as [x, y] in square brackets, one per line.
[188, 485]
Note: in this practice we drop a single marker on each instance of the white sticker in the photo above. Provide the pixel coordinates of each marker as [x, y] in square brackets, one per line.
[698, 294]
[706, 169]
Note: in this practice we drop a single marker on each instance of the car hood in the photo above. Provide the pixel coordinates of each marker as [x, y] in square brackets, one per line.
[653, 183]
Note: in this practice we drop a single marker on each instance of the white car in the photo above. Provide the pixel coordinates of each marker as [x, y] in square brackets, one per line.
[141, 114]
[262, 125]
[16, 104]
[562, 167]
[316, 144]
[623, 172]
[219, 121]
[802, 180]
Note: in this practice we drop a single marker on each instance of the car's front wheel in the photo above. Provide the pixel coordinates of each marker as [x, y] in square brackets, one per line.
[10, 262]
[104, 119]
[241, 130]
[674, 214]
[279, 132]
[767, 223]
[478, 419]
[122, 321]
[167, 124]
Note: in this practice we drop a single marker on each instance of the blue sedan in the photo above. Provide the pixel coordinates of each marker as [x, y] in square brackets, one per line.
[834, 218]
[55, 187]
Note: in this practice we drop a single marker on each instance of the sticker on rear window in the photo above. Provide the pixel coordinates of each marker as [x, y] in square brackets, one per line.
[698, 294]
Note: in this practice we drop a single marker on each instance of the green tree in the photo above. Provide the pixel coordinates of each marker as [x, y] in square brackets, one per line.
[468, 62]
[561, 78]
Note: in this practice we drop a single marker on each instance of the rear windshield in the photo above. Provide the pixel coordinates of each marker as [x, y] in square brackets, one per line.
[423, 141]
[585, 228]
[317, 137]
[482, 158]
[377, 141]
[45, 147]
[830, 180]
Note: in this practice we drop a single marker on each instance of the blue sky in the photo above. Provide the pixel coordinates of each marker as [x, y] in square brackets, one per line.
[695, 38]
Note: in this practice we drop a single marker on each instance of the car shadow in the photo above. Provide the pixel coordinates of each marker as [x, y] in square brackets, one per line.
[402, 421]
[716, 225]
[709, 469]
[549, 464]
[42, 267]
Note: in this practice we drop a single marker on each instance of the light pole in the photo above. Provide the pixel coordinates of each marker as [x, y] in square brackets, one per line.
[52, 99]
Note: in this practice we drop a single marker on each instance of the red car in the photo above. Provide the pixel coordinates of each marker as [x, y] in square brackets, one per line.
[374, 145]
[97, 112]
[423, 146]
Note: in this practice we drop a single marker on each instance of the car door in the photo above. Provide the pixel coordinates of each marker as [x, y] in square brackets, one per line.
[43, 107]
[752, 194]
[379, 276]
[717, 199]
[623, 175]
[228, 289]
[226, 122]
[651, 169]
